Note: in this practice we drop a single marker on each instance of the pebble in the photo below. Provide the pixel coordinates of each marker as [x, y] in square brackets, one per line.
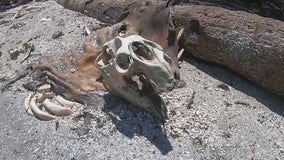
[57, 34]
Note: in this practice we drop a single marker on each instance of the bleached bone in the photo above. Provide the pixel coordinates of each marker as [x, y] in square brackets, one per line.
[44, 88]
[56, 109]
[42, 96]
[125, 58]
[27, 105]
[64, 102]
[180, 54]
[39, 113]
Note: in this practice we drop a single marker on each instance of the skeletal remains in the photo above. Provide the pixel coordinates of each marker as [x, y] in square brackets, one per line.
[246, 43]
[136, 59]
[40, 104]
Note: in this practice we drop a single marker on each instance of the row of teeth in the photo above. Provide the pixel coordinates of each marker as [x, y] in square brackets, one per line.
[45, 107]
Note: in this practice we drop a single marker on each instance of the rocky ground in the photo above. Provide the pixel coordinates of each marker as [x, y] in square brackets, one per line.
[218, 115]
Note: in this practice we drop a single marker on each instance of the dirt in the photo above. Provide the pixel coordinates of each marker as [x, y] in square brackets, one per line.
[218, 115]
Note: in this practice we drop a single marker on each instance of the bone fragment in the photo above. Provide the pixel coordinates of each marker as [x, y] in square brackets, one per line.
[28, 48]
[44, 88]
[39, 113]
[180, 33]
[86, 31]
[180, 53]
[64, 102]
[27, 105]
[56, 109]
[42, 96]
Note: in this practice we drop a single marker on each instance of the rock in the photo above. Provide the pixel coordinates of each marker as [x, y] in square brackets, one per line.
[57, 34]
[14, 54]
[224, 87]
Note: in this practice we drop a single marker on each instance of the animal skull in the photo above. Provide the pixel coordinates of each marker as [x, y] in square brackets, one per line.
[136, 69]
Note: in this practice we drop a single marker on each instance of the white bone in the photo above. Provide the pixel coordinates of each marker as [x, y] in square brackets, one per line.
[42, 96]
[180, 33]
[56, 109]
[64, 102]
[44, 88]
[180, 53]
[135, 56]
[39, 113]
[27, 105]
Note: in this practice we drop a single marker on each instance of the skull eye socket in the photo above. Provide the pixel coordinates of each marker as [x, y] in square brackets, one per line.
[123, 61]
[142, 51]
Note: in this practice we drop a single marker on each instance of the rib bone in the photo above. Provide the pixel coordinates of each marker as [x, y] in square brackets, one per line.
[39, 113]
[56, 109]
[64, 102]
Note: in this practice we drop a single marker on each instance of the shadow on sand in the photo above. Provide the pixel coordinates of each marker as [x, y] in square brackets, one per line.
[132, 121]
[274, 102]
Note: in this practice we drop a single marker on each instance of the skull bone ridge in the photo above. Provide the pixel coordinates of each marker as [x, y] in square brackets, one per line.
[135, 69]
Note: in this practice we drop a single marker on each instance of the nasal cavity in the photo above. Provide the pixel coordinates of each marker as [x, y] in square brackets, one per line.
[141, 51]
[123, 61]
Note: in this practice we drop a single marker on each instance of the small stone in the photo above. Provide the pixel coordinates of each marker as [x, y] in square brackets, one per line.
[86, 31]
[228, 104]
[242, 103]
[208, 88]
[224, 87]
[14, 54]
[57, 34]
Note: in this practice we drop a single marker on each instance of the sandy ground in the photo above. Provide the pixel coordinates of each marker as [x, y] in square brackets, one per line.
[229, 118]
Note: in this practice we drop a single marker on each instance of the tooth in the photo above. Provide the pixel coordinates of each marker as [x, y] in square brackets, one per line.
[121, 34]
[180, 33]
[39, 113]
[56, 109]
[64, 102]
[27, 105]
[180, 53]
[107, 50]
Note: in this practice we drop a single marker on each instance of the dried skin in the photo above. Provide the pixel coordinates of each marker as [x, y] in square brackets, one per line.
[86, 76]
